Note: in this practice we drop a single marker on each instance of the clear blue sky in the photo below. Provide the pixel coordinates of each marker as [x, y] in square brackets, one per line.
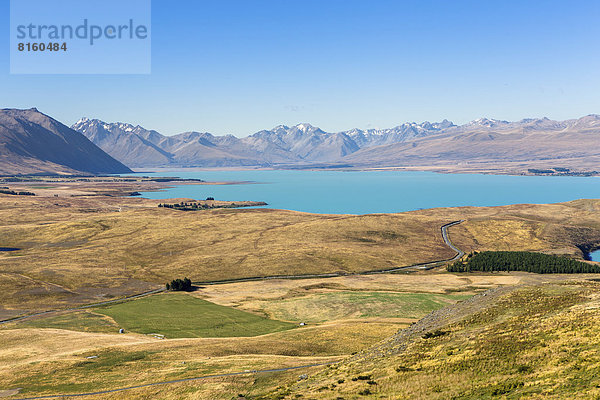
[238, 66]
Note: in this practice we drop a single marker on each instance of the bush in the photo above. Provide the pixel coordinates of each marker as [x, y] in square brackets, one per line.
[184, 284]
[505, 388]
[434, 334]
[523, 369]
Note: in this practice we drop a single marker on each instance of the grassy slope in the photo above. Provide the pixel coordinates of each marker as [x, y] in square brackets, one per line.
[117, 253]
[178, 315]
[344, 305]
[82, 321]
[538, 341]
[524, 342]
[44, 361]
[80, 250]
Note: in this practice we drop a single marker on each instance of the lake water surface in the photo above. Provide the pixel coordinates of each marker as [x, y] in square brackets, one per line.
[595, 255]
[8, 249]
[364, 192]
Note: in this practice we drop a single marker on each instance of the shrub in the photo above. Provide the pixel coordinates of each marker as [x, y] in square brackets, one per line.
[434, 334]
[184, 284]
[524, 369]
[506, 387]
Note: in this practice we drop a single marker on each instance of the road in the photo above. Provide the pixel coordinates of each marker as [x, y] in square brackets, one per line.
[459, 252]
[445, 237]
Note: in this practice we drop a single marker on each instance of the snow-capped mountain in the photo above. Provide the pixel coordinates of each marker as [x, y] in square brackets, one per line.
[534, 142]
[127, 143]
[140, 147]
[401, 133]
[136, 146]
[302, 143]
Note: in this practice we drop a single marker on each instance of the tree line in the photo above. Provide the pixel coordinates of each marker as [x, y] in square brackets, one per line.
[5, 191]
[521, 261]
[187, 206]
[183, 206]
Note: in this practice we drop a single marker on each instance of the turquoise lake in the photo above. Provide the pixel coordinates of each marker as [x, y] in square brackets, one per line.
[595, 255]
[365, 192]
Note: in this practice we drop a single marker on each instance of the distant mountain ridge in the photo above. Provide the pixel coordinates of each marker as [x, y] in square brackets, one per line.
[302, 143]
[34, 143]
[410, 144]
[488, 145]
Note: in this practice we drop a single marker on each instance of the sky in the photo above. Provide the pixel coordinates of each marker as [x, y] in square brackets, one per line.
[239, 66]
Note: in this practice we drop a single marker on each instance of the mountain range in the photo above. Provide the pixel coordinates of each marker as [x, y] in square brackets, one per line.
[34, 143]
[300, 144]
[491, 145]
[481, 144]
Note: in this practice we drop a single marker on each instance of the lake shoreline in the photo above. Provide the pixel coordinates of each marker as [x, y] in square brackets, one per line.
[441, 169]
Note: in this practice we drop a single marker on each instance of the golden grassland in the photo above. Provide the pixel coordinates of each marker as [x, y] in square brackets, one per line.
[61, 343]
[92, 255]
[82, 249]
[240, 293]
[533, 342]
[65, 186]
[322, 307]
[48, 361]
[272, 297]
[49, 355]
[527, 341]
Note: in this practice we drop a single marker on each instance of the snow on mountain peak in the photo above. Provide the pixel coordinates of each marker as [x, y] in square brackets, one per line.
[487, 122]
[304, 127]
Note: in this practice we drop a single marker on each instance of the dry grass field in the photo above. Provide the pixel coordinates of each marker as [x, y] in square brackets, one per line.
[76, 250]
[50, 355]
[82, 249]
[478, 341]
[79, 254]
[532, 342]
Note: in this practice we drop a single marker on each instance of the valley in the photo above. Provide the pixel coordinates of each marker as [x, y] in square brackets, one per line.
[72, 252]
